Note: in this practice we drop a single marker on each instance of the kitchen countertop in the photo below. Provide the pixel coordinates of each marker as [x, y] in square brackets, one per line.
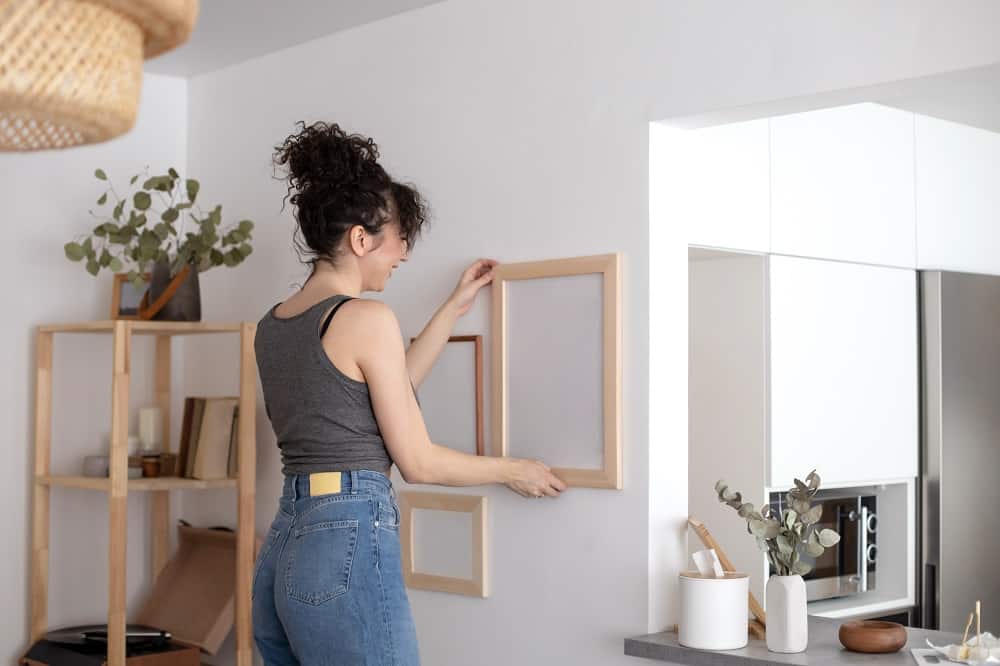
[824, 648]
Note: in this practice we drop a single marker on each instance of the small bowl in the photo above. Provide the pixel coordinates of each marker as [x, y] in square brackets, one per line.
[872, 636]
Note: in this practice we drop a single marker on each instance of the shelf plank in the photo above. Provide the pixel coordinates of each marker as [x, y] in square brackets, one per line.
[139, 327]
[143, 484]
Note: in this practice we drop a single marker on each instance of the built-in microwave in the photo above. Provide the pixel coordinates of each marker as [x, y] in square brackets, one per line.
[849, 567]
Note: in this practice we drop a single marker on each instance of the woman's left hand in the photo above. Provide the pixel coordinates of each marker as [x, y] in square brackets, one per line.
[475, 277]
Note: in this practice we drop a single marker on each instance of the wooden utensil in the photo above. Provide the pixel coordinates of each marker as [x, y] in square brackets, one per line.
[963, 651]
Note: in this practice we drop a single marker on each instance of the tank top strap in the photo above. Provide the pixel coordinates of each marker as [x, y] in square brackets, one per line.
[329, 315]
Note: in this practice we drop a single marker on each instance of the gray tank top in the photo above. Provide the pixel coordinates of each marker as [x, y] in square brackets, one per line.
[322, 418]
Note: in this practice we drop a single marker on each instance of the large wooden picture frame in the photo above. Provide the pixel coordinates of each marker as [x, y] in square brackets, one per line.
[476, 505]
[609, 266]
[477, 342]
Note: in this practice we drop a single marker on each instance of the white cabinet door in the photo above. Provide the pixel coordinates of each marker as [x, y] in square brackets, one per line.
[843, 371]
[958, 197]
[715, 184]
[842, 185]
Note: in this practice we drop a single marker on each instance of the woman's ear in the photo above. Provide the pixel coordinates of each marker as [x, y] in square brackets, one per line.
[358, 240]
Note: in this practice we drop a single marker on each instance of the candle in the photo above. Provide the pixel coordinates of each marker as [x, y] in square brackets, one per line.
[151, 428]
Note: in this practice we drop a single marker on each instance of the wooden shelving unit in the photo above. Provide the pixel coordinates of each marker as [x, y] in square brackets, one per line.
[119, 485]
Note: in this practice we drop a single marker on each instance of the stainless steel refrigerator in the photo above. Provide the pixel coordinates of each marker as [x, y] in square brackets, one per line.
[959, 547]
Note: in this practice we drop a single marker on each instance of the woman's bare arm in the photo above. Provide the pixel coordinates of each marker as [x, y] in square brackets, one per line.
[382, 359]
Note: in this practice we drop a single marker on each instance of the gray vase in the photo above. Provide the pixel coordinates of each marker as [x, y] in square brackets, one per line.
[185, 305]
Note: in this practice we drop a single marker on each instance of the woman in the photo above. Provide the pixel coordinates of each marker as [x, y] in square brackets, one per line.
[339, 390]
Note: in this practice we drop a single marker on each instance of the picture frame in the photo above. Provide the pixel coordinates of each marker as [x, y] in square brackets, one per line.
[477, 586]
[125, 298]
[609, 268]
[477, 345]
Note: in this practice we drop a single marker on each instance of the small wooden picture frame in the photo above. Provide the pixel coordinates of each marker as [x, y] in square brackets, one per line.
[477, 346]
[476, 505]
[125, 298]
[601, 382]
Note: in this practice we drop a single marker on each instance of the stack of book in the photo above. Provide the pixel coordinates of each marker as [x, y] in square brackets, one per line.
[209, 438]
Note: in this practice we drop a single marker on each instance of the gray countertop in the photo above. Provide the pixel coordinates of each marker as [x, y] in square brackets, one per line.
[824, 648]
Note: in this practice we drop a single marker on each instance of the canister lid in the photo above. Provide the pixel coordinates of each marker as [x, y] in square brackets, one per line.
[728, 575]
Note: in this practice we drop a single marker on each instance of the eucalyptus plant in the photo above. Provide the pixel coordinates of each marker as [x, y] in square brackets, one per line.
[786, 537]
[158, 221]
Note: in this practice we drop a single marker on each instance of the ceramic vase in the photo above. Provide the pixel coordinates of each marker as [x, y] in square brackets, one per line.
[787, 621]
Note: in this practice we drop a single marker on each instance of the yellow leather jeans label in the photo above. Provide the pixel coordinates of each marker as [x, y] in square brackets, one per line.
[324, 483]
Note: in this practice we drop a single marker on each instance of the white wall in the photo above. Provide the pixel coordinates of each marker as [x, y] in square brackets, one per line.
[46, 197]
[525, 124]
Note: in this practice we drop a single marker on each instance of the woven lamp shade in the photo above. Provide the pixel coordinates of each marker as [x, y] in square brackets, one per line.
[71, 70]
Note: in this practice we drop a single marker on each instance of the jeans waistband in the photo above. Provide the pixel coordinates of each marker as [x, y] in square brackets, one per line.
[296, 486]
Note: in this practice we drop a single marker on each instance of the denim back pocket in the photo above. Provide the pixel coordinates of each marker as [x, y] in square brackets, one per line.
[319, 561]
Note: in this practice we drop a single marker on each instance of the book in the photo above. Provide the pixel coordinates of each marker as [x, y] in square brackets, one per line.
[234, 446]
[197, 411]
[211, 457]
[185, 441]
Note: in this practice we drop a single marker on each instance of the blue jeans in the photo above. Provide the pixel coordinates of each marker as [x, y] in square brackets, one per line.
[328, 583]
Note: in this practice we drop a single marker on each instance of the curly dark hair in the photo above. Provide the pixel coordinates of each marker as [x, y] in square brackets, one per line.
[334, 183]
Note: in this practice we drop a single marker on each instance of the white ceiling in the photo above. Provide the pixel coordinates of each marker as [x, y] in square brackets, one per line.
[232, 31]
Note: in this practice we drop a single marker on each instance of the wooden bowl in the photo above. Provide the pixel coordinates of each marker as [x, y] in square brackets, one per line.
[872, 636]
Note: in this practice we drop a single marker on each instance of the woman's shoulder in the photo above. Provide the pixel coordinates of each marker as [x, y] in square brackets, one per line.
[370, 314]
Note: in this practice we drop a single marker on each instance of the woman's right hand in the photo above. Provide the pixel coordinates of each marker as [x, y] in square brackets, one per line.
[533, 478]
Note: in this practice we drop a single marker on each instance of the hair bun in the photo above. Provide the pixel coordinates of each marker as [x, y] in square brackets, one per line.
[322, 155]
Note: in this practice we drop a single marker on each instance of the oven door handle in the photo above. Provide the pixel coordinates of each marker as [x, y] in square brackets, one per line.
[863, 551]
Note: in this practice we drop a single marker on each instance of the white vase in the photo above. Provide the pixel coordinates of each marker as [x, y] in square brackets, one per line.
[787, 621]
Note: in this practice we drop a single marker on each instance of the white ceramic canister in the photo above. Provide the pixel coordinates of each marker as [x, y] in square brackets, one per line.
[714, 612]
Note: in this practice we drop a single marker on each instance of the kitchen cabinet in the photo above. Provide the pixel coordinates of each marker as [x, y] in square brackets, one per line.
[842, 185]
[843, 371]
[958, 197]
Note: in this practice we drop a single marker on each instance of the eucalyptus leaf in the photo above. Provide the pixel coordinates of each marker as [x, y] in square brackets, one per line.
[828, 537]
[105, 258]
[169, 215]
[784, 545]
[99, 173]
[813, 481]
[116, 265]
[192, 189]
[814, 549]
[74, 251]
[801, 568]
[103, 200]
[117, 214]
[813, 515]
[142, 200]
[788, 518]
[93, 267]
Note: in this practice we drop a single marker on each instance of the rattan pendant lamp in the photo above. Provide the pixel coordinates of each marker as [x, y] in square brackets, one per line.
[71, 70]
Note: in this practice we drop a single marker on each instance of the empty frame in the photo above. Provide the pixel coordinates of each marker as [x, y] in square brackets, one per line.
[451, 396]
[476, 586]
[557, 366]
